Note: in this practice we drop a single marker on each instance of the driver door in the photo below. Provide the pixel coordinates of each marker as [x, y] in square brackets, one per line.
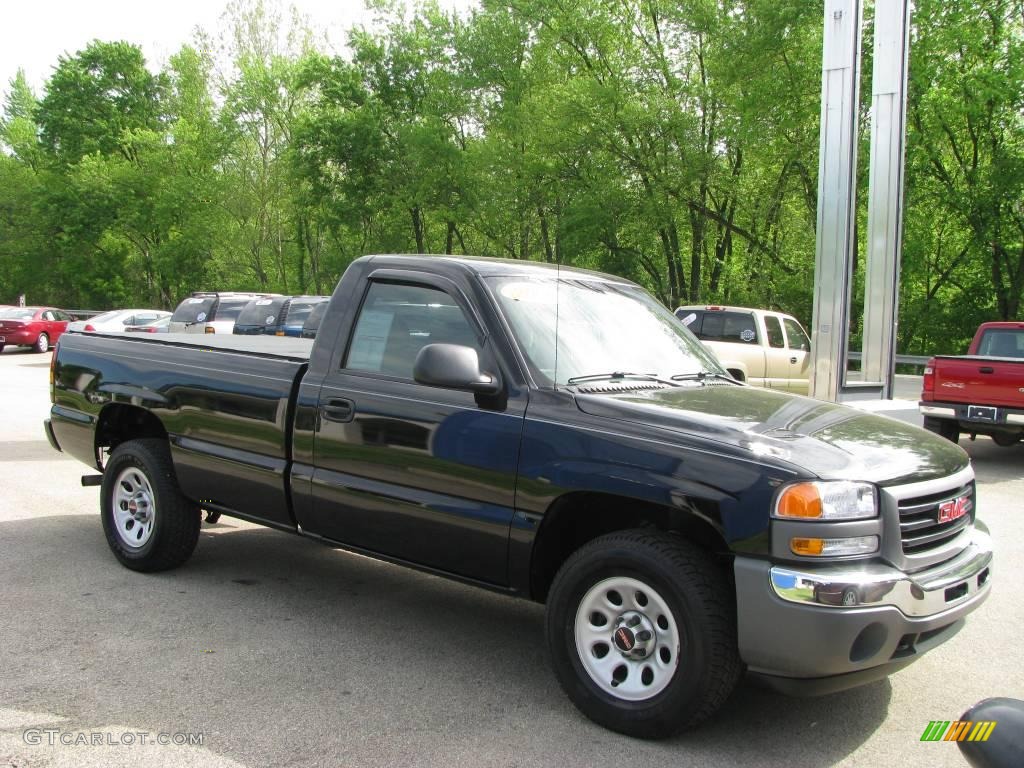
[419, 473]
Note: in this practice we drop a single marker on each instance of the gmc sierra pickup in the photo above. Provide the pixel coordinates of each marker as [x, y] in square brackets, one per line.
[982, 392]
[558, 435]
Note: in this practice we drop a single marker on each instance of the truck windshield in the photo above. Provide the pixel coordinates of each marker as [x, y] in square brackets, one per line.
[601, 328]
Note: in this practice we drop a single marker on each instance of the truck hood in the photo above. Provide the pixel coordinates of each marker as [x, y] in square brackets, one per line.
[828, 440]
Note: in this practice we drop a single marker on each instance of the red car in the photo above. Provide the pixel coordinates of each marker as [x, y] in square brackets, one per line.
[36, 327]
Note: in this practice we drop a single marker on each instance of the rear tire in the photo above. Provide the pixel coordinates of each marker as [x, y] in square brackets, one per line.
[42, 343]
[149, 524]
[947, 428]
[641, 628]
[1005, 440]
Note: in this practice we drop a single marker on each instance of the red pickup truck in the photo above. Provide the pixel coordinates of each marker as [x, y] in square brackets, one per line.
[982, 392]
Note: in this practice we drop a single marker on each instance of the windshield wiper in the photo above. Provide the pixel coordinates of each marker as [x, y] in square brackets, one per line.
[702, 375]
[617, 375]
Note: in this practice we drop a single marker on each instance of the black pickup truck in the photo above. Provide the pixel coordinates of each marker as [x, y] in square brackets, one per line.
[558, 435]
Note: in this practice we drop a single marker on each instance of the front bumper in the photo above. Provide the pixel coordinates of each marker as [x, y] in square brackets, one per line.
[821, 629]
[48, 428]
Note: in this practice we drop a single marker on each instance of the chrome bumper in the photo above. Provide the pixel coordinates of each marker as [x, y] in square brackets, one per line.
[959, 581]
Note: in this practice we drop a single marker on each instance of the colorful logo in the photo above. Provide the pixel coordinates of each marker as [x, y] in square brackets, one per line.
[955, 509]
[958, 730]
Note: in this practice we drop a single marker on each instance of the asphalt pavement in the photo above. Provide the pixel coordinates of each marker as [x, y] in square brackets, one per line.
[267, 649]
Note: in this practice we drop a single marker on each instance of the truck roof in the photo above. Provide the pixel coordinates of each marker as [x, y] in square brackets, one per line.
[1001, 324]
[487, 266]
[731, 308]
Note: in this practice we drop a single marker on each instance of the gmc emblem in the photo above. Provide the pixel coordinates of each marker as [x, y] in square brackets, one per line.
[954, 509]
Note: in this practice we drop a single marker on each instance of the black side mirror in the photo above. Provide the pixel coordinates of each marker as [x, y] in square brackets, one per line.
[997, 730]
[455, 367]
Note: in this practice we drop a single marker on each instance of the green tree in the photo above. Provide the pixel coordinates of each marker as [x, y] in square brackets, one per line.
[95, 100]
[965, 176]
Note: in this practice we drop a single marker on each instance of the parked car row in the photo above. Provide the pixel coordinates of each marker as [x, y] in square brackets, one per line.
[202, 312]
[244, 313]
[276, 315]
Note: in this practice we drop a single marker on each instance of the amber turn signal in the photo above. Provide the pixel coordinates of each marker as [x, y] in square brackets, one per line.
[853, 545]
[807, 547]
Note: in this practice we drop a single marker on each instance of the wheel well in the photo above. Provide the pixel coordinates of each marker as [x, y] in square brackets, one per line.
[737, 374]
[577, 518]
[118, 423]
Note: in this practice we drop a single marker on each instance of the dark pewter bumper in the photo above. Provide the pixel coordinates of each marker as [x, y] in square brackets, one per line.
[817, 630]
[48, 427]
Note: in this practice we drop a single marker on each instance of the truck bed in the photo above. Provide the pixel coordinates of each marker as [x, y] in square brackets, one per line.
[288, 347]
[224, 402]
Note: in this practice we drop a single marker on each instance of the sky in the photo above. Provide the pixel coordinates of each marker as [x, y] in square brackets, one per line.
[35, 33]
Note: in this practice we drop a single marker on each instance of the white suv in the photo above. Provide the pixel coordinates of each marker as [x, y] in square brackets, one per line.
[212, 312]
[763, 348]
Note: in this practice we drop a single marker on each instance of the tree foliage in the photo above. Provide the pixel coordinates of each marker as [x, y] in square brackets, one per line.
[670, 141]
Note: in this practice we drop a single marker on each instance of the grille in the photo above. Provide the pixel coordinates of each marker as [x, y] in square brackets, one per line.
[921, 525]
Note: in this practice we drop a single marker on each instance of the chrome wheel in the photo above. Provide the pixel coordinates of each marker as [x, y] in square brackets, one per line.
[627, 638]
[134, 508]
[42, 343]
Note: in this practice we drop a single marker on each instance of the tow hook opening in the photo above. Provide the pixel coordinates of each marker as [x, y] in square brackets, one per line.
[983, 578]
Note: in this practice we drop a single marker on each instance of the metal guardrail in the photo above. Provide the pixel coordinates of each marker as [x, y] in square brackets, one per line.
[919, 360]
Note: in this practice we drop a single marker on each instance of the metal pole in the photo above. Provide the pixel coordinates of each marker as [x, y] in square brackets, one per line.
[885, 190]
[837, 167]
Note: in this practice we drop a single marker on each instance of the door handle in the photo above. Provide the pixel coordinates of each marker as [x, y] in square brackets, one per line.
[987, 369]
[792, 360]
[338, 409]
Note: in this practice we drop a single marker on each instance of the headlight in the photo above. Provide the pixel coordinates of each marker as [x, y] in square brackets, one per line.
[827, 500]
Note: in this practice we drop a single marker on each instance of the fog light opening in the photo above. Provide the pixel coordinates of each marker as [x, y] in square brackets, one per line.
[868, 643]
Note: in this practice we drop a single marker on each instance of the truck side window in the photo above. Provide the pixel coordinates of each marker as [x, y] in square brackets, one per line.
[728, 326]
[396, 321]
[797, 338]
[773, 328]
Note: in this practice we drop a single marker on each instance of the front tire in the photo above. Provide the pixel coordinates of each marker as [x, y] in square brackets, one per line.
[149, 524]
[641, 628]
[42, 343]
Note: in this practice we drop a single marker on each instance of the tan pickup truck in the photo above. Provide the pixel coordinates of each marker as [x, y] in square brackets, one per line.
[766, 349]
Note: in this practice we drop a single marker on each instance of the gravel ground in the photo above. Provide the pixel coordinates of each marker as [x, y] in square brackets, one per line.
[274, 650]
